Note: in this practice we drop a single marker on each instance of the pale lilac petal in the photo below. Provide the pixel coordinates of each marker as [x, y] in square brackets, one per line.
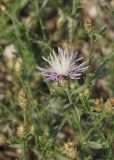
[63, 65]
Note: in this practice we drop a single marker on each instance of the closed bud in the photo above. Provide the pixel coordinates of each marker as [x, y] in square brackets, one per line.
[18, 66]
[89, 24]
[69, 150]
[86, 93]
[33, 129]
[109, 105]
[81, 95]
[61, 19]
[22, 131]
[22, 98]
[2, 7]
[2, 139]
[98, 105]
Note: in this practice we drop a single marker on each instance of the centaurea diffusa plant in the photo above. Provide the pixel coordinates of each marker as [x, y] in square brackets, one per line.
[63, 66]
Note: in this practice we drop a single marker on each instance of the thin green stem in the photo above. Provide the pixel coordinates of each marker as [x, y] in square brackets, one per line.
[45, 150]
[80, 128]
[74, 7]
[91, 45]
[91, 48]
[38, 11]
[110, 140]
[25, 149]
[25, 118]
[76, 114]
[69, 96]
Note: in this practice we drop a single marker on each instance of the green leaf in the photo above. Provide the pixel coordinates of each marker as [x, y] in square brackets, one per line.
[23, 3]
[77, 114]
[102, 31]
[16, 145]
[80, 89]
[88, 158]
[76, 117]
[94, 145]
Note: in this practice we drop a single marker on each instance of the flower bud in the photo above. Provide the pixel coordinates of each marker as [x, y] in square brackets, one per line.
[85, 93]
[18, 66]
[98, 105]
[69, 150]
[89, 24]
[33, 129]
[22, 131]
[61, 19]
[2, 139]
[2, 7]
[109, 105]
[22, 98]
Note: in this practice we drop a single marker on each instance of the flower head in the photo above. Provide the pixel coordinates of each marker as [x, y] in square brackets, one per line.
[63, 65]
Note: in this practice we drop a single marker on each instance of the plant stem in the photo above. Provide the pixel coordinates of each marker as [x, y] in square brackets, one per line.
[76, 114]
[38, 11]
[25, 118]
[25, 149]
[69, 96]
[91, 48]
[45, 150]
[75, 6]
[110, 140]
[91, 45]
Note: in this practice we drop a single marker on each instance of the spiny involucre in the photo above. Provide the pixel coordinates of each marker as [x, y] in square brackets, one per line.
[63, 65]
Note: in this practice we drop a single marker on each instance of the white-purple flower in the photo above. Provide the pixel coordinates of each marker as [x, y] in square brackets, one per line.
[63, 65]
